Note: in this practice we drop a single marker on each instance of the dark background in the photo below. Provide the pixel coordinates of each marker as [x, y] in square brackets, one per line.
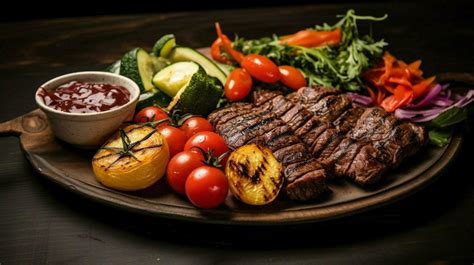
[20, 10]
[41, 223]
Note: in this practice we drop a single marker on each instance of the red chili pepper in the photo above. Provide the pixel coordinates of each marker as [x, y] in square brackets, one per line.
[238, 56]
[313, 38]
[216, 51]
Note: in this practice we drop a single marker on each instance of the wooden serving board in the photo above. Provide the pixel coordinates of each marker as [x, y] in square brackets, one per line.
[71, 168]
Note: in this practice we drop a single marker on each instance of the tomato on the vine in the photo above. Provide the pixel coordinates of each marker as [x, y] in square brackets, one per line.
[194, 125]
[180, 166]
[291, 77]
[175, 138]
[207, 187]
[238, 85]
[261, 68]
[149, 114]
[207, 141]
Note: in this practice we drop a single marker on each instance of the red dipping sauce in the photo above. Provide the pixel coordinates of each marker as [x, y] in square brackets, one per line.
[77, 97]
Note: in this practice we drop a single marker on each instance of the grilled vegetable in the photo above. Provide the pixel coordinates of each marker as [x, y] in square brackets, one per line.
[254, 174]
[164, 45]
[138, 65]
[187, 82]
[180, 54]
[133, 159]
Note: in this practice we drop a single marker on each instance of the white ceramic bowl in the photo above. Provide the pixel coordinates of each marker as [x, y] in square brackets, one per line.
[88, 130]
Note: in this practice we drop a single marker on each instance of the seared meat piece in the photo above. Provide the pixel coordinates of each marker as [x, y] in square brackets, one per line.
[348, 119]
[292, 154]
[314, 131]
[235, 108]
[365, 168]
[309, 186]
[259, 98]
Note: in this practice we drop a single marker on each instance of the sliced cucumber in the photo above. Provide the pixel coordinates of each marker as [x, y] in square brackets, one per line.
[179, 54]
[114, 68]
[164, 45]
[138, 66]
[153, 98]
[159, 63]
[175, 76]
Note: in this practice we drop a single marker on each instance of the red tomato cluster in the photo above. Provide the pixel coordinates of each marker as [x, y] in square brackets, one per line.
[190, 146]
[239, 81]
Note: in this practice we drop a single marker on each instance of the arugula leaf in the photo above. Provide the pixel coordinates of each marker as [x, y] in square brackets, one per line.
[333, 66]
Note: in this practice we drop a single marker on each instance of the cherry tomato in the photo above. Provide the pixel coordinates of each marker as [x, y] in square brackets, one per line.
[179, 168]
[291, 77]
[194, 125]
[238, 85]
[207, 141]
[207, 187]
[261, 68]
[175, 138]
[151, 114]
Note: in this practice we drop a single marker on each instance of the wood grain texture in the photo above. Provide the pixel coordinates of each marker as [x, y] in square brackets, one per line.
[42, 223]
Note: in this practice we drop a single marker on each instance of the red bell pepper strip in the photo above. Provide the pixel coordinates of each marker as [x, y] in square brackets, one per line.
[313, 38]
[402, 96]
[422, 87]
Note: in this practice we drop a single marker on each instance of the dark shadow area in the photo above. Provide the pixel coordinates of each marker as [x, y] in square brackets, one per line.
[86, 8]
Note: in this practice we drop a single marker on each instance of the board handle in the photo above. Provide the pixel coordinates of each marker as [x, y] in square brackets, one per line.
[30, 123]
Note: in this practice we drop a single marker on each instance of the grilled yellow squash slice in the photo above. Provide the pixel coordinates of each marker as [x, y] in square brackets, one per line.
[254, 174]
[133, 159]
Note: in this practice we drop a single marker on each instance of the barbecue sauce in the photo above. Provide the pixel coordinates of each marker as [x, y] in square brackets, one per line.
[77, 97]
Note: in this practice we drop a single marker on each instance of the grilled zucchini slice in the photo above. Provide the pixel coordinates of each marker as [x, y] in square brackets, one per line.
[133, 159]
[254, 174]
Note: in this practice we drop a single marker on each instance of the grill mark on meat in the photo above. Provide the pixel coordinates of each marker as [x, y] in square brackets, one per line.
[239, 136]
[309, 186]
[217, 115]
[259, 98]
[296, 170]
[247, 117]
[365, 168]
[292, 154]
[310, 137]
[348, 119]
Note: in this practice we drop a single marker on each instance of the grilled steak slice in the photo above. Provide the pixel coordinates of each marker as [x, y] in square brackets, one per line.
[292, 154]
[296, 170]
[309, 186]
[260, 97]
[368, 122]
[276, 141]
[365, 168]
[308, 95]
[348, 119]
[238, 138]
[235, 108]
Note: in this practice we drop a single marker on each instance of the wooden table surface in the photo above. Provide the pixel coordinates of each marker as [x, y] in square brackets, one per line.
[42, 223]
